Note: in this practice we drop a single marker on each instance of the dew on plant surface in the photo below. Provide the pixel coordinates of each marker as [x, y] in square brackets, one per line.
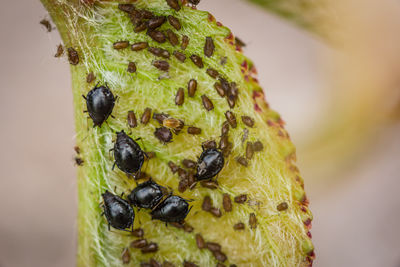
[146, 116]
[208, 105]
[172, 37]
[252, 221]
[157, 36]
[46, 24]
[240, 199]
[131, 118]
[209, 47]
[120, 45]
[159, 52]
[212, 73]
[226, 202]
[174, 22]
[156, 22]
[209, 184]
[150, 248]
[258, 146]
[90, 77]
[60, 51]
[248, 121]
[131, 67]
[138, 243]
[242, 161]
[194, 130]
[163, 134]
[139, 46]
[249, 150]
[73, 56]
[239, 226]
[192, 87]
[185, 42]
[161, 65]
[200, 241]
[180, 56]
[174, 4]
[126, 256]
[180, 97]
[219, 89]
[198, 61]
[231, 118]
[282, 206]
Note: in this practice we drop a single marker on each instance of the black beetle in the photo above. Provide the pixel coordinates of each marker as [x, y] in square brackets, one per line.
[147, 195]
[172, 209]
[100, 103]
[210, 163]
[119, 213]
[129, 157]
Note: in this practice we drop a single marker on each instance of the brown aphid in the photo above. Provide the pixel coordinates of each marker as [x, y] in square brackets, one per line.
[146, 116]
[192, 87]
[227, 150]
[160, 117]
[90, 77]
[126, 256]
[60, 51]
[216, 212]
[189, 264]
[249, 150]
[174, 168]
[183, 174]
[209, 144]
[209, 184]
[212, 246]
[177, 225]
[193, 130]
[174, 4]
[154, 263]
[150, 155]
[187, 228]
[172, 37]
[138, 232]
[136, 17]
[131, 67]
[200, 241]
[191, 180]
[219, 256]
[157, 36]
[139, 243]
[163, 134]
[159, 52]
[225, 85]
[190, 164]
[156, 22]
[180, 56]
[151, 247]
[147, 14]
[180, 97]
[225, 128]
[248, 121]
[128, 8]
[207, 203]
[242, 161]
[194, 2]
[245, 135]
[139, 46]
[212, 72]
[224, 142]
[226, 202]
[167, 264]
[185, 42]
[231, 118]
[282, 206]
[120, 45]
[240, 199]
[77, 149]
[219, 89]
[131, 118]
[183, 185]
[239, 226]
[174, 22]
[239, 42]
[78, 161]
[258, 146]
[73, 56]
[140, 26]
[208, 105]
[252, 221]
[198, 61]
[209, 47]
[231, 101]
[161, 65]
[46, 24]
[174, 124]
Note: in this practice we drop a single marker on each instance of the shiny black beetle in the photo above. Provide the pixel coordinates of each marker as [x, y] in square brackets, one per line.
[172, 209]
[118, 212]
[99, 102]
[129, 157]
[147, 195]
[210, 163]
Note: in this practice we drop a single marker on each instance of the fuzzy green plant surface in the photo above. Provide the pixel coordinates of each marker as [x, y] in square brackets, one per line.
[279, 237]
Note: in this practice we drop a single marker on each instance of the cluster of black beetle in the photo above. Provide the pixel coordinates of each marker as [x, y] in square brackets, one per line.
[129, 158]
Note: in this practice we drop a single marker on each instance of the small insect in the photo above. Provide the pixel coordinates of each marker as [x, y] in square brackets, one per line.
[193, 130]
[174, 4]
[223, 60]
[163, 134]
[197, 61]
[128, 8]
[282, 206]
[126, 256]
[154, 263]
[46, 24]
[157, 36]
[139, 46]
[194, 2]
[209, 184]
[174, 124]
[156, 22]
[219, 89]
[231, 101]
[141, 26]
[210, 163]
[212, 72]
[189, 264]
[166, 264]
[174, 22]
[146, 116]
[159, 52]
[192, 87]
[208, 105]
[129, 157]
[224, 142]
[138, 232]
[172, 37]
[77, 149]
[242, 161]
[231, 118]
[174, 168]
[219, 256]
[138, 243]
[185, 42]
[183, 185]
[226, 202]
[187, 228]
[216, 212]
[147, 195]
[209, 47]
[239, 42]
[147, 14]
[131, 67]
[180, 56]
[160, 117]
[73, 56]
[90, 77]
[100, 103]
[172, 209]
[225, 128]
[258, 146]
[118, 212]
[240, 199]
[209, 144]
[161, 65]
[239, 226]
[180, 97]
[249, 150]
[248, 121]
[200, 241]
[252, 221]
[131, 118]
[225, 85]
[60, 51]
[212, 246]
[78, 161]
[120, 45]
[207, 204]
[190, 164]
[150, 248]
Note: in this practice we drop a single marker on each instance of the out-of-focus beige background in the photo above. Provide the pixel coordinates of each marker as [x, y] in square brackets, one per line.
[356, 216]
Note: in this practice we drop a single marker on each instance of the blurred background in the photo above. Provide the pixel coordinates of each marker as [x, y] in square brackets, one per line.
[335, 80]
